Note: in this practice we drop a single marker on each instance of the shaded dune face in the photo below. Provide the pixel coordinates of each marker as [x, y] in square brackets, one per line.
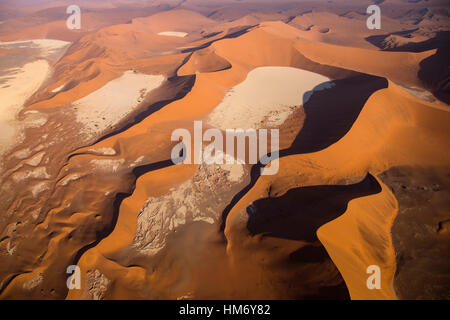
[435, 75]
[364, 157]
[204, 61]
[299, 213]
[329, 115]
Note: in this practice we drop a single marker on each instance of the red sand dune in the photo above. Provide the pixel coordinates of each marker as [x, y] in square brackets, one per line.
[363, 166]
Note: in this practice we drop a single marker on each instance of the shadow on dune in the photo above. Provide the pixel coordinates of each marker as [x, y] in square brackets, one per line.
[299, 213]
[330, 114]
[435, 74]
[309, 254]
[234, 33]
[441, 39]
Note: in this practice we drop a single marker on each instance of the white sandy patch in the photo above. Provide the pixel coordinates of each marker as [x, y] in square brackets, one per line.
[40, 187]
[98, 285]
[34, 119]
[235, 171]
[35, 213]
[47, 46]
[22, 154]
[36, 160]
[422, 94]
[10, 249]
[35, 282]
[115, 100]
[173, 34]
[268, 93]
[108, 164]
[68, 179]
[205, 219]
[38, 173]
[188, 296]
[58, 89]
[104, 151]
[137, 162]
[197, 199]
[21, 83]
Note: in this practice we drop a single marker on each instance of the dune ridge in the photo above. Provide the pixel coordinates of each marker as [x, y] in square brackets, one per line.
[363, 153]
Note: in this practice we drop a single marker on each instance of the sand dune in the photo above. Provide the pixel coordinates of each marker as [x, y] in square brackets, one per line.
[205, 60]
[363, 167]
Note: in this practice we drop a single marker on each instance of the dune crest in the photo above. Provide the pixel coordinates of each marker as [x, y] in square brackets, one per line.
[87, 176]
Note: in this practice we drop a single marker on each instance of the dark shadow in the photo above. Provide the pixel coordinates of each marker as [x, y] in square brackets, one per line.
[441, 39]
[309, 254]
[299, 213]
[330, 114]
[234, 33]
[211, 35]
[435, 74]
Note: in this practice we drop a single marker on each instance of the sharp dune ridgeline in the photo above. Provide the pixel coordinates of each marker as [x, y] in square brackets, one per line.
[361, 118]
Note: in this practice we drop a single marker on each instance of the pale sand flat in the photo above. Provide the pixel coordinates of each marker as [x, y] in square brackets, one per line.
[20, 83]
[47, 46]
[173, 34]
[268, 93]
[19, 86]
[58, 89]
[115, 100]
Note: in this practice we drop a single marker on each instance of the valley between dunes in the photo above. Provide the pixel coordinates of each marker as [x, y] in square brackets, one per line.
[363, 160]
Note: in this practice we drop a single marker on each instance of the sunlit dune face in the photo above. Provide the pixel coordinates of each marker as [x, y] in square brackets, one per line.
[359, 133]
